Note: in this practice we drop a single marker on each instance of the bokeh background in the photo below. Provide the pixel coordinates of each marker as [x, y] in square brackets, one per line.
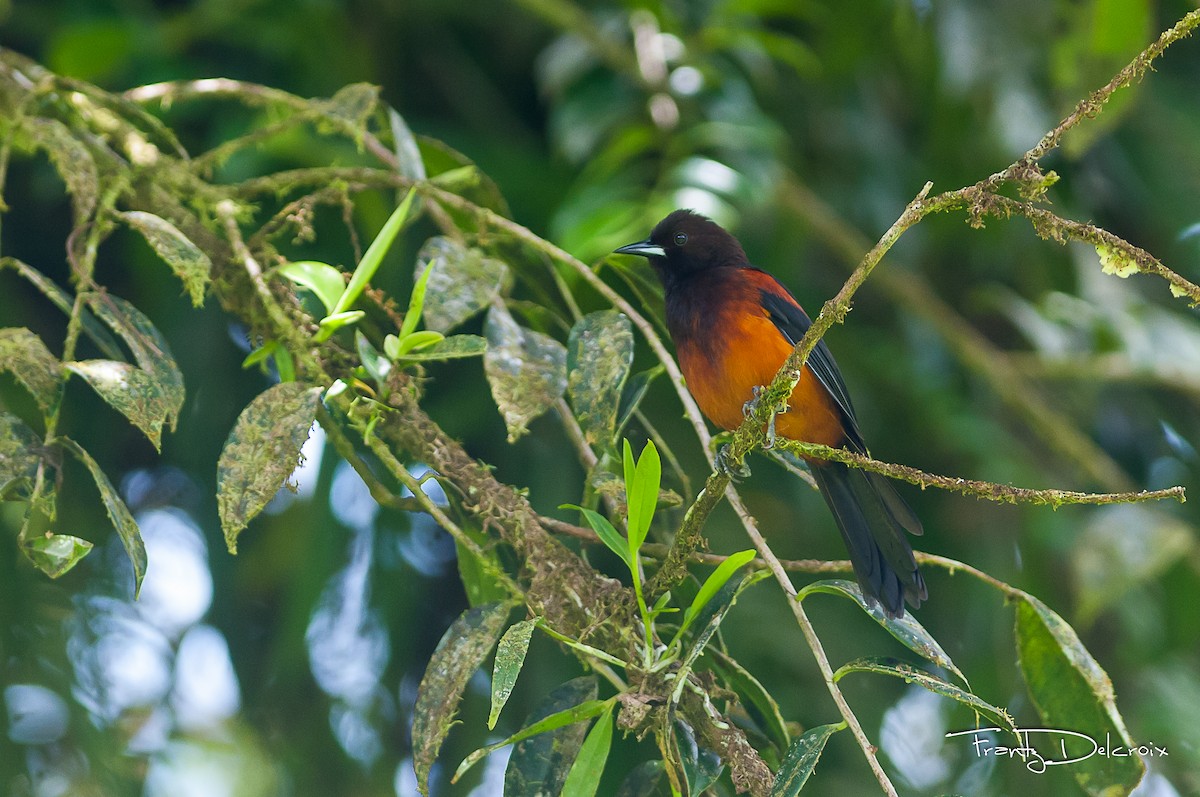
[803, 126]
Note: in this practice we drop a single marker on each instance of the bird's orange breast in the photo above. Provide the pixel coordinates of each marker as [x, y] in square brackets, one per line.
[740, 348]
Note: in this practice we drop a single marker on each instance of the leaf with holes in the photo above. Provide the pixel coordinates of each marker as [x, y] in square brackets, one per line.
[1071, 690]
[458, 655]
[527, 370]
[188, 261]
[261, 452]
[599, 353]
[24, 355]
[118, 513]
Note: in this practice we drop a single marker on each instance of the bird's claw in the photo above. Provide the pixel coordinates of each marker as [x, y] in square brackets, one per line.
[723, 464]
[750, 406]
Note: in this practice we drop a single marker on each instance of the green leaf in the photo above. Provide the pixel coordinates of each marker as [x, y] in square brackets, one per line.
[759, 702]
[912, 675]
[376, 365]
[130, 391]
[261, 452]
[510, 658]
[527, 371]
[641, 485]
[539, 763]
[408, 155]
[64, 302]
[1072, 691]
[416, 341]
[801, 760]
[599, 353]
[55, 554]
[27, 358]
[463, 647]
[150, 352]
[373, 257]
[450, 348]
[643, 780]
[480, 585]
[584, 776]
[701, 765]
[905, 629]
[416, 303]
[187, 260]
[635, 390]
[118, 513]
[712, 585]
[606, 532]
[72, 160]
[332, 323]
[462, 282]
[351, 107]
[19, 459]
[323, 280]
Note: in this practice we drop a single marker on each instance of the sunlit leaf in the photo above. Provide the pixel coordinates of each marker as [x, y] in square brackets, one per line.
[1072, 691]
[1122, 547]
[527, 371]
[416, 303]
[415, 341]
[27, 358]
[539, 763]
[905, 629]
[599, 353]
[462, 282]
[332, 323]
[18, 457]
[149, 347]
[641, 483]
[325, 281]
[801, 760]
[261, 452]
[130, 391]
[911, 675]
[611, 538]
[188, 261]
[584, 777]
[376, 365]
[510, 658]
[118, 513]
[450, 348]
[373, 257]
[56, 554]
[713, 584]
[464, 646]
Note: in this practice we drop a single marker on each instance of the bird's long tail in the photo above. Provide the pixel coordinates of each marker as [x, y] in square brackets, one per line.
[873, 519]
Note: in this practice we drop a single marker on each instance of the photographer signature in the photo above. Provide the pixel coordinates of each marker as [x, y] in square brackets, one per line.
[1082, 746]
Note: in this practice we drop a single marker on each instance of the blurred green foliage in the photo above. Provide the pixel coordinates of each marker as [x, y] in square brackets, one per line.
[594, 119]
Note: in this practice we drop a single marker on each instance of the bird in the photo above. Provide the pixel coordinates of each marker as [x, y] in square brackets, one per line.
[733, 325]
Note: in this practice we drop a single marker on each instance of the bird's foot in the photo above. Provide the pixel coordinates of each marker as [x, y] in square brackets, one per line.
[724, 465]
[750, 406]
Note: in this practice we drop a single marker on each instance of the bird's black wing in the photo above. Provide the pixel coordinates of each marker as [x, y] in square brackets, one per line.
[793, 322]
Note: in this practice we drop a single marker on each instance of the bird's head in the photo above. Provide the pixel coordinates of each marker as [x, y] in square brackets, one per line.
[685, 243]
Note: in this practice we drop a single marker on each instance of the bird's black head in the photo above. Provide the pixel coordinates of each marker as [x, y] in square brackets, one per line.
[685, 243]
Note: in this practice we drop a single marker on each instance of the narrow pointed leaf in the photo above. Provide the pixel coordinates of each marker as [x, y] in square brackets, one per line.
[458, 655]
[527, 371]
[1071, 690]
[701, 765]
[150, 350]
[24, 355]
[599, 354]
[261, 452]
[584, 777]
[905, 629]
[404, 145]
[643, 494]
[417, 341]
[539, 763]
[801, 760]
[715, 581]
[373, 257]
[450, 348]
[606, 532]
[911, 675]
[323, 280]
[416, 303]
[188, 261]
[56, 554]
[19, 457]
[118, 513]
[462, 282]
[510, 658]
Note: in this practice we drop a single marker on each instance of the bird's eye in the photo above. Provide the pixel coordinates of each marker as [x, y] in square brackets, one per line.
[680, 238]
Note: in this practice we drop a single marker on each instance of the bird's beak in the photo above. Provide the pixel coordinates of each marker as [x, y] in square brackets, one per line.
[642, 249]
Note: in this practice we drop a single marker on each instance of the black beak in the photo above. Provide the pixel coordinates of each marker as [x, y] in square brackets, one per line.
[642, 248]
